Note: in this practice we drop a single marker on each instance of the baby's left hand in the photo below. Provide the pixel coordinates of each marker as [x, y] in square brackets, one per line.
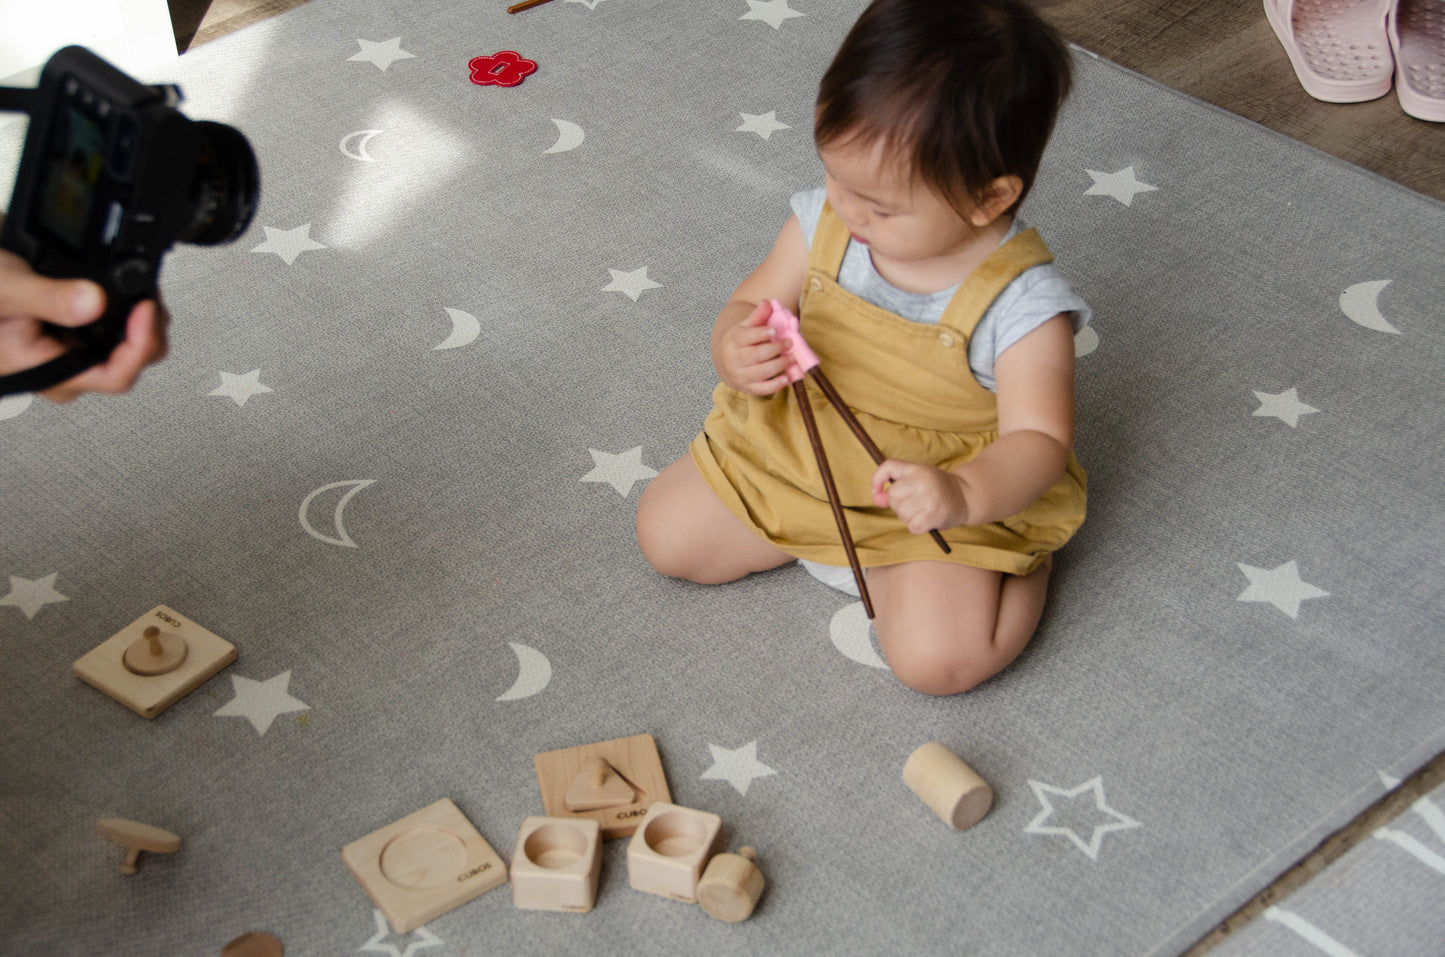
[923, 496]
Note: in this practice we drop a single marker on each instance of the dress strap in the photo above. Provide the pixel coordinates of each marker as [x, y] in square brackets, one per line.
[991, 277]
[830, 242]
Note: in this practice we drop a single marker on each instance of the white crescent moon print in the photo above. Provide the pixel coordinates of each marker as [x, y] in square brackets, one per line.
[363, 137]
[534, 672]
[849, 630]
[569, 137]
[13, 405]
[340, 538]
[1361, 302]
[465, 329]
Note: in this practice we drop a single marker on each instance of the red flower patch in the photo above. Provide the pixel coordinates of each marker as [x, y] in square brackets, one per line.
[507, 68]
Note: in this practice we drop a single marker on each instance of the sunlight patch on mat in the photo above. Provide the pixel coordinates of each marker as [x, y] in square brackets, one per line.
[409, 158]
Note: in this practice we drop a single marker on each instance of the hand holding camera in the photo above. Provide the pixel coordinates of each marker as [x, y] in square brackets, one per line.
[111, 177]
[28, 302]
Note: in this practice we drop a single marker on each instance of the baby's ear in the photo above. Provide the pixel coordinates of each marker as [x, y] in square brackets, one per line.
[996, 199]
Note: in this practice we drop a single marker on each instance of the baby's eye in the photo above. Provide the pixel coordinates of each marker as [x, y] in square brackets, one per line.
[880, 213]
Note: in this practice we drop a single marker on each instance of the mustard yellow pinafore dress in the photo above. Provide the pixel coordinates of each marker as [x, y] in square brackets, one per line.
[910, 386]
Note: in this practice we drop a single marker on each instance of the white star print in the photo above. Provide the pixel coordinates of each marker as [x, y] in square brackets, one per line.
[260, 702]
[1121, 185]
[763, 124]
[382, 54]
[1280, 586]
[1285, 406]
[771, 12]
[738, 767]
[590, 4]
[380, 945]
[288, 243]
[30, 596]
[1120, 822]
[620, 471]
[240, 387]
[630, 284]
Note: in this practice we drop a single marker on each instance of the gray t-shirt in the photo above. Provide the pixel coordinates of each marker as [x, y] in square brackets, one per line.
[1035, 297]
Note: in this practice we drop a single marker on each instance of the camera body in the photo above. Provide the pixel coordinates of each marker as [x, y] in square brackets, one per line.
[112, 176]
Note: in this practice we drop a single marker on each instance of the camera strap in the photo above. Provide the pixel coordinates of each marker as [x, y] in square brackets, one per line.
[17, 100]
[50, 373]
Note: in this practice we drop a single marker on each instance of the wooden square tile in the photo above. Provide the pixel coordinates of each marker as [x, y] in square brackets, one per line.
[106, 666]
[635, 759]
[424, 865]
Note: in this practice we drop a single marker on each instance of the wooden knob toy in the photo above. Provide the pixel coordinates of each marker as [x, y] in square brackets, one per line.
[951, 788]
[730, 887]
[156, 652]
[257, 943]
[136, 837]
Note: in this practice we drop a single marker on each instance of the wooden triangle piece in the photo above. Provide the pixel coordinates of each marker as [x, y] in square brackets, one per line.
[597, 785]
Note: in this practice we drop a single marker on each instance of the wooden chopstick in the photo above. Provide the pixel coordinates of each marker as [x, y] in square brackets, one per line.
[800, 391]
[525, 5]
[874, 452]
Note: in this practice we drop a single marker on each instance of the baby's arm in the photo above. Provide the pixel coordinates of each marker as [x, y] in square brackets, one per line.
[744, 351]
[1036, 434]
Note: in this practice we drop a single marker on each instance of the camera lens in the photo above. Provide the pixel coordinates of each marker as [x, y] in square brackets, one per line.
[227, 185]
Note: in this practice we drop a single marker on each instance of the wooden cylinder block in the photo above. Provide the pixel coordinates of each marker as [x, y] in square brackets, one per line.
[948, 786]
[255, 944]
[731, 885]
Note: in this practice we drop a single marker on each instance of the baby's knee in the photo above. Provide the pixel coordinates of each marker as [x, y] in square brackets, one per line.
[937, 667]
[937, 674]
[658, 541]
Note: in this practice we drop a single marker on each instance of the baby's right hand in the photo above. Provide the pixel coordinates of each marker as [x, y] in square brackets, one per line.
[750, 358]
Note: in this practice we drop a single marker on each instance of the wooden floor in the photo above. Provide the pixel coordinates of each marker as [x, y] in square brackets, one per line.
[1220, 51]
[1224, 52]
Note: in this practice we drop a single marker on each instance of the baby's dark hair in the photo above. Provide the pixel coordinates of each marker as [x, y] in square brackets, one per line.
[968, 90]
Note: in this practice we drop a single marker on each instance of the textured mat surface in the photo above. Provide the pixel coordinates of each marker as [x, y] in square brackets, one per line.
[395, 454]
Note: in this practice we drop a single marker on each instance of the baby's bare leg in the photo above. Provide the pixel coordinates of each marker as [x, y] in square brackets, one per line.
[944, 628]
[687, 532]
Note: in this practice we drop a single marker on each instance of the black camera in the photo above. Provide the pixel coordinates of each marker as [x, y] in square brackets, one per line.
[111, 177]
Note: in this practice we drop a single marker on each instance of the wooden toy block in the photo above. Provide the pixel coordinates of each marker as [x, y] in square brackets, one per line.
[634, 760]
[951, 788]
[136, 837]
[424, 865]
[667, 854]
[155, 661]
[556, 864]
[597, 786]
[730, 887]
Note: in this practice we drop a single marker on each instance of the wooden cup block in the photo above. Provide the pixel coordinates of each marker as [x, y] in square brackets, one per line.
[634, 760]
[556, 865]
[155, 661]
[424, 865]
[136, 837]
[730, 887]
[951, 788]
[667, 854]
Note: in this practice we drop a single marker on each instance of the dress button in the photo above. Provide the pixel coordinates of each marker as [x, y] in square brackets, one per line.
[816, 284]
[946, 339]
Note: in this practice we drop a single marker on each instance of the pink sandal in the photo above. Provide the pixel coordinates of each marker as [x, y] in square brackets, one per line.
[1417, 35]
[1338, 48]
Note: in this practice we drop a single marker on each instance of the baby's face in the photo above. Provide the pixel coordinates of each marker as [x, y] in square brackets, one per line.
[889, 209]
